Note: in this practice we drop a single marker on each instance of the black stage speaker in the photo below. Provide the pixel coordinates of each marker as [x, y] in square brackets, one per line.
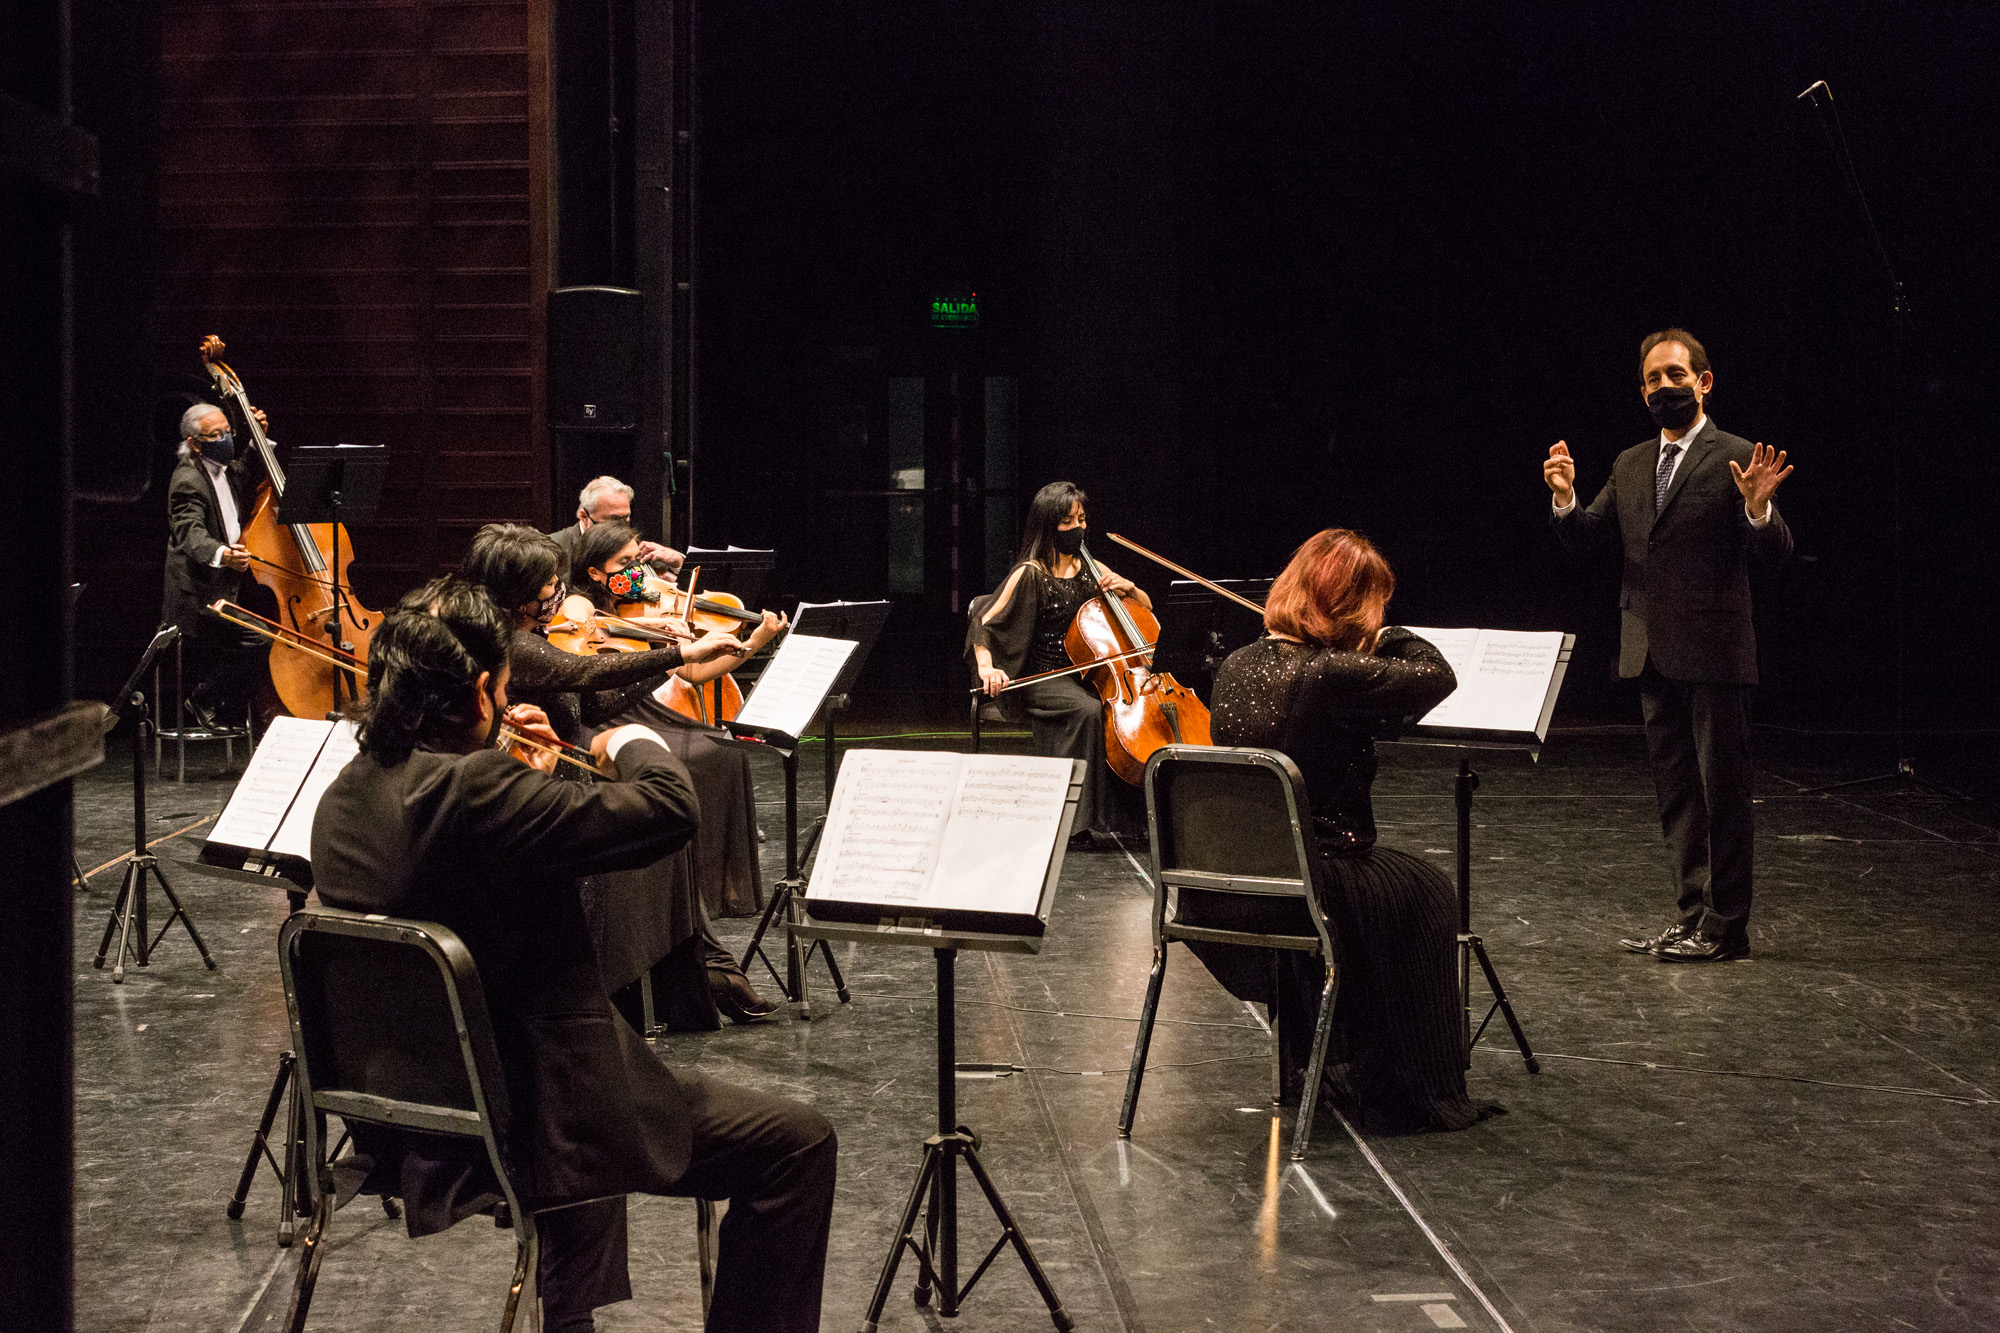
[594, 375]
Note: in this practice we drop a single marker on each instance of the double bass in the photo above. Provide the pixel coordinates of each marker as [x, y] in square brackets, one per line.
[292, 561]
[1143, 709]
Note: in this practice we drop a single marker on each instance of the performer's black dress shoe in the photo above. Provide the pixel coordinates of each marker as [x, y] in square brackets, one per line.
[1703, 949]
[737, 998]
[1673, 934]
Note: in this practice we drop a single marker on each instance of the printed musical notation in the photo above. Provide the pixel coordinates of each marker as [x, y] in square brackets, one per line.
[963, 832]
[1504, 678]
[273, 804]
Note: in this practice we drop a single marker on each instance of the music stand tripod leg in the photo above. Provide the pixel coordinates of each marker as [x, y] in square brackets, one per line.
[180, 914]
[260, 1142]
[1470, 944]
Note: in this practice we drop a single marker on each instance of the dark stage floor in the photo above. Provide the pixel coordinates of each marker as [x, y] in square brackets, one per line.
[1807, 1140]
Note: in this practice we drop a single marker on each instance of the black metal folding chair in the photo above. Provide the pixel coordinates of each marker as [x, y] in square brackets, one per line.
[1232, 834]
[390, 1027]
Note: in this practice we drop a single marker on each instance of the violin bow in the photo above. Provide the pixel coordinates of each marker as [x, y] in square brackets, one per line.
[1186, 573]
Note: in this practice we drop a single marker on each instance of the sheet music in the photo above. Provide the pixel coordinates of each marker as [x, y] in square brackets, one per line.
[1503, 677]
[273, 776]
[295, 836]
[884, 825]
[792, 686]
[999, 833]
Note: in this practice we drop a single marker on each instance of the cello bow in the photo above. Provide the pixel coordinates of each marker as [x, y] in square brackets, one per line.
[1186, 573]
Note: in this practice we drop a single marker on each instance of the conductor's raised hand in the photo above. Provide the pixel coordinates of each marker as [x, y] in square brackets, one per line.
[1759, 482]
[1559, 471]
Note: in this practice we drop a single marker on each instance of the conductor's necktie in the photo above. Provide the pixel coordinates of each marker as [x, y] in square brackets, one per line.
[1665, 475]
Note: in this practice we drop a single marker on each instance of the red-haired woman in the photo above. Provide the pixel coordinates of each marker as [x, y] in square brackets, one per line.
[1325, 676]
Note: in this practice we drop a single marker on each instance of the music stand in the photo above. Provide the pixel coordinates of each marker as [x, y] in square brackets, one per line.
[1198, 629]
[1471, 946]
[937, 1178]
[858, 622]
[128, 910]
[335, 484]
[733, 569]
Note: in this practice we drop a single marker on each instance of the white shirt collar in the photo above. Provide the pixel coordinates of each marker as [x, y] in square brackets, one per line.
[1680, 445]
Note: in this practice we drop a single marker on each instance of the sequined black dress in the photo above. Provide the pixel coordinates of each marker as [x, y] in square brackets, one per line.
[1394, 1062]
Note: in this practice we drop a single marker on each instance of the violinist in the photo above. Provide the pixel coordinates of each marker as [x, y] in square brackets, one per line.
[1317, 686]
[206, 510]
[608, 500]
[428, 821]
[520, 568]
[726, 850]
[1018, 631]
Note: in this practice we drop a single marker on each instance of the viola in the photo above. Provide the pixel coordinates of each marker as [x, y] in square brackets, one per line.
[1143, 709]
[291, 560]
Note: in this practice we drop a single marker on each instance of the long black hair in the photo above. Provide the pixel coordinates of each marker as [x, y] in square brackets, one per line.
[513, 563]
[424, 664]
[1046, 513]
[603, 541]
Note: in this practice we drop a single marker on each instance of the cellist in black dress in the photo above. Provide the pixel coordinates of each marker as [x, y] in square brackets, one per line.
[1319, 683]
[1018, 631]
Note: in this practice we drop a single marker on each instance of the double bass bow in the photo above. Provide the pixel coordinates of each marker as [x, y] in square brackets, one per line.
[291, 560]
[1143, 709]
[511, 738]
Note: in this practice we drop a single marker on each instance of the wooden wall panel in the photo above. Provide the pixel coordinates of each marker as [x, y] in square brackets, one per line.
[345, 197]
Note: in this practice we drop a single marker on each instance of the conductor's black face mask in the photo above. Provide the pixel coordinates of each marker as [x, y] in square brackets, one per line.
[1673, 406]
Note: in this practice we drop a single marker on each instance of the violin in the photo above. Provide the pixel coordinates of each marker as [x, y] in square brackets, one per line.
[1143, 709]
[518, 743]
[291, 560]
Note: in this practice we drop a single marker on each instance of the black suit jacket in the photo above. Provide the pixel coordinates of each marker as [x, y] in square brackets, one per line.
[194, 534]
[491, 848]
[1684, 598]
[571, 541]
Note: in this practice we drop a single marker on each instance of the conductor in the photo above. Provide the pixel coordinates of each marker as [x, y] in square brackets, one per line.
[1689, 509]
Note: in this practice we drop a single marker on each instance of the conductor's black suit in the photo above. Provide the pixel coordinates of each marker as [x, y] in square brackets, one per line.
[1686, 635]
[486, 845]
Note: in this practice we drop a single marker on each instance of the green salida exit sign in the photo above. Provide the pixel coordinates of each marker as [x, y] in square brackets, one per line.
[955, 312]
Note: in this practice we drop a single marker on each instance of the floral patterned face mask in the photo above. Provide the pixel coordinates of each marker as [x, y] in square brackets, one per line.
[628, 583]
[545, 609]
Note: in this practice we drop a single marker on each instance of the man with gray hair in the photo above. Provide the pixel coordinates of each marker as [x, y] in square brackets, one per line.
[206, 513]
[603, 500]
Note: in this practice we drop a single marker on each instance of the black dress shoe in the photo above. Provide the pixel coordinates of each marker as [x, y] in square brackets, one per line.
[1703, 949]
[737, 998]
[1673, 934]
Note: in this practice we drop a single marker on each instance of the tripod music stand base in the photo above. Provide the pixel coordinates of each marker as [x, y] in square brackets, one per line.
[1470, 947]
[942, 1153]
[1904, 775]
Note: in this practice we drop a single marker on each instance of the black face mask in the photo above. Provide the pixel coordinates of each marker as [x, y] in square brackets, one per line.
[1069, 541]
[1673, 407]
[220, 450]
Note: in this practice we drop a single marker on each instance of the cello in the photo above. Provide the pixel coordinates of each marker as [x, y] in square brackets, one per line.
[291, 560]
[1143, 709]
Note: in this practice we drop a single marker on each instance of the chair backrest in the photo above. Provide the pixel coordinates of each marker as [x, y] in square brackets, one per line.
[389, 1025]
[1229, 822]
